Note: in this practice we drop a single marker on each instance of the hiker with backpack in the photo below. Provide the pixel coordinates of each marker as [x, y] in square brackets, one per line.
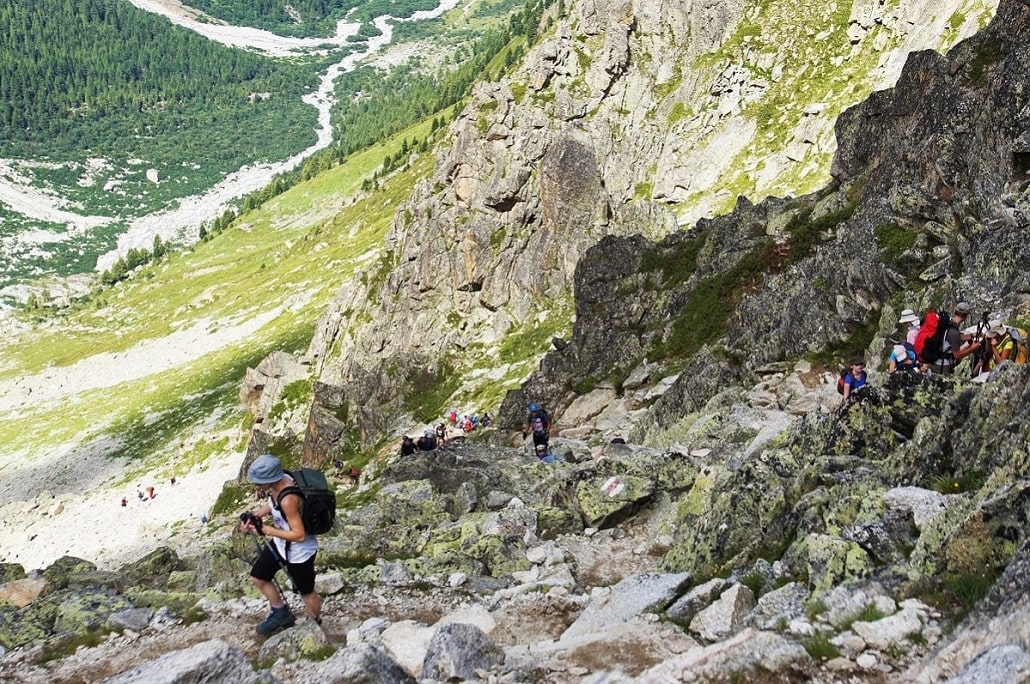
[407, 446]
[909, 317]
[856, 377]
[1007, 344]
[538, 423]
[427, 442]
[292, 544]
[543, 454]
[941, 344]
[903, 358]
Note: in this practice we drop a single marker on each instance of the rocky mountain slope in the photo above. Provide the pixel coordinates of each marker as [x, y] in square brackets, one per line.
[786, 556]
[625, 119]
[754, 527]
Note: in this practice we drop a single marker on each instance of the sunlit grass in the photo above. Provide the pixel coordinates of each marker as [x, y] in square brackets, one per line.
[269, 261]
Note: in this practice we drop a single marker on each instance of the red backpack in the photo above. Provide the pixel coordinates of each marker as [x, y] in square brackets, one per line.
[930, 339]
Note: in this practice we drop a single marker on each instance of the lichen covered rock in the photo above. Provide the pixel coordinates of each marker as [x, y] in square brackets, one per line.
[88, 611]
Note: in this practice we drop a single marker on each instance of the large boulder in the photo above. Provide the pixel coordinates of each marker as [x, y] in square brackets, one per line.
[59, 572]
[830, 560]
[10, 572]
[748, 651]
[152, 571]
[306, 640]
[88, 611]
[210, 661]
[730, 517]
[457, 651]
[627, 599]
[362, 664]
[20, 593]
[726, 616]
[607, 499]
[21, 627]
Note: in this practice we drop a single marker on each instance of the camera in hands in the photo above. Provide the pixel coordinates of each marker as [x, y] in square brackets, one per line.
[255, 521]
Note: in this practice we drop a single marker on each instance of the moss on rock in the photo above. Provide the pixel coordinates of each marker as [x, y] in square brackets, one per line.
[153, 569]
[10, 572]
[829, 561]
[20, 627]
[178, 603]
[86, 612]
[729, 518]
[604, 500]
[57, 572]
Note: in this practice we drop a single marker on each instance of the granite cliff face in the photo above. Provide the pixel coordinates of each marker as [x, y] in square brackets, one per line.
[929, 205]
[626, 118]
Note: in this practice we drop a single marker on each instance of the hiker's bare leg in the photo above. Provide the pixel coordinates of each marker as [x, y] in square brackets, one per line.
[313, 602]
[269, 591]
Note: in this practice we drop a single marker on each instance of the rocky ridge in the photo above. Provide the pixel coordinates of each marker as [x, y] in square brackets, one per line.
[909, 221]
[624, 119]
[623, 563]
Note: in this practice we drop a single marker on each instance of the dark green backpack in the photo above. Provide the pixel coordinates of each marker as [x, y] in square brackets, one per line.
[319, 512]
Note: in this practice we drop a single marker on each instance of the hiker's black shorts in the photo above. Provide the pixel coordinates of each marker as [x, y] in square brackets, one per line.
[540, 438]
[303, 574]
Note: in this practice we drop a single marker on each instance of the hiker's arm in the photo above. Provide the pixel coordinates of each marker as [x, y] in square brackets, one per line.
[291, 511]
[961, 344]
[966, 349]
[847, 388]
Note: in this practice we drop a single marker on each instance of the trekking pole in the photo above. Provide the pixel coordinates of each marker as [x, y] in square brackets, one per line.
[983, 354]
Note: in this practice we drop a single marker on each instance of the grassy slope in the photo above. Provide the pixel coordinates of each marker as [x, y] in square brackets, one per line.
[267, 259]
[819, 65]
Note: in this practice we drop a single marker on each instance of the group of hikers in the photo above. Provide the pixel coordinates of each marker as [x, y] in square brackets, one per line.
[940, 341]
[427, 442]
[537, 426]
[291, 545]
[936, 343]
[467, 423]
[432, 438]
[351, 471]
[144, 495]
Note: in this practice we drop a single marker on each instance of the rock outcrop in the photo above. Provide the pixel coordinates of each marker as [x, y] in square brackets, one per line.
[623, 120]
[909, 219]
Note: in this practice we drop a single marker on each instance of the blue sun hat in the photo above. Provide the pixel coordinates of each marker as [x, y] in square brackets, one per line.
[265, 469]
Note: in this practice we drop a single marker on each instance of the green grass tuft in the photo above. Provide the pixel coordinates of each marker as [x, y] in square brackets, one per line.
[820, 648]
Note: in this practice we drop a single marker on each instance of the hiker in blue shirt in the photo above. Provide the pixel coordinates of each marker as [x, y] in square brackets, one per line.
[856, 378]
[903, 358]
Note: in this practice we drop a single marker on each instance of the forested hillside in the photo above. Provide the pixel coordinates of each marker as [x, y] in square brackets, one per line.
[77, 75]
[393, 100]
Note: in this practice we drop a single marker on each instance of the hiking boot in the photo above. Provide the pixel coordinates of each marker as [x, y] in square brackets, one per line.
[279, 619]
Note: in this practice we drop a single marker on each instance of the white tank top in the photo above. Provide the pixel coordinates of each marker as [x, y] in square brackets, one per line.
[299, 551]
